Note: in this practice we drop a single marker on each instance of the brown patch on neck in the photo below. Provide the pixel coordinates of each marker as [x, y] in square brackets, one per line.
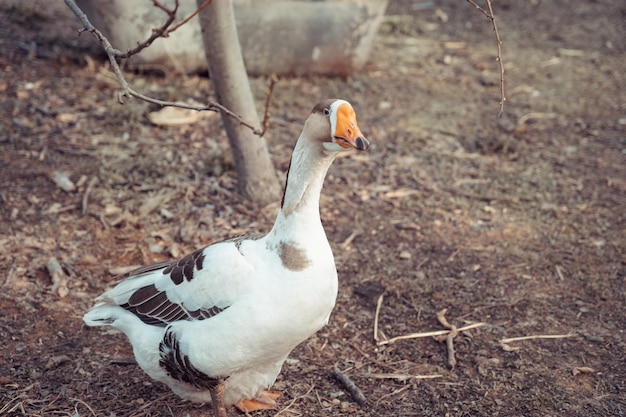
[292, 257]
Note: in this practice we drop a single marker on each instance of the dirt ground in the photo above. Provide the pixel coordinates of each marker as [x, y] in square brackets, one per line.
[516, 222]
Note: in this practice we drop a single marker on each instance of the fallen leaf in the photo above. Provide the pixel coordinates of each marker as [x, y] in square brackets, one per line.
[173, 116]
[582, 370]
[67, 117]
[55, 361]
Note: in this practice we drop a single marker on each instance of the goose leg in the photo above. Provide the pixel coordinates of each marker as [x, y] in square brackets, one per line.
[217, 400]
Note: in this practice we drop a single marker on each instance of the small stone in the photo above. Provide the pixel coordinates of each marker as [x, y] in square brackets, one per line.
[384, 105]
[63, 181]
[156, 248]
[56, 361]
[166, 213]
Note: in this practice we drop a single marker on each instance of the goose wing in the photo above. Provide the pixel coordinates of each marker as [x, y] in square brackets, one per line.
[196, 287]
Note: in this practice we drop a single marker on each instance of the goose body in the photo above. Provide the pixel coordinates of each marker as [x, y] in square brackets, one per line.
[217, 325]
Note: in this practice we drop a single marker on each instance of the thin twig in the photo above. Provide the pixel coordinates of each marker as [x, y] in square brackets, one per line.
[5, 407]
[85, 200]
[294, 400]
[187, 19]
[428, 334]
[268, 97]
[441, 317]
[450, 347]
[500, 63]
[127, 91]
[79, 401]
[356, 393]
[156, 33]
[139, 411]
[108, 48]
[483, 11]
[379, 304]
[559, 273]
[504, 342]
[401, 377]
[212, 106]
[489, 14]
[396, 392]
[344, 245]
[534, 116]
[538, 336]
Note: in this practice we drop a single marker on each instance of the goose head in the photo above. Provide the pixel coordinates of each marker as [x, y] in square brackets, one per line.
[330, 129]
[333, 124]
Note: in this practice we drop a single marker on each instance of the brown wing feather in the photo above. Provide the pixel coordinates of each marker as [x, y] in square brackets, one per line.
[179, 366]
[154, 308]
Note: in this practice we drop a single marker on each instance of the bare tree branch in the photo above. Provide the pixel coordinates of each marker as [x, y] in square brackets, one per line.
[483, 11]
[127, 91]
[187, 19]
[156, 33]
[490, 16]
[268, 99]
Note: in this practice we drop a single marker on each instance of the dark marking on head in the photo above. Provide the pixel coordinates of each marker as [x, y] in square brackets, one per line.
[154, 308]
[292, 257]
[184, 268]
[178, 366]
[319, 107]
[317, 128]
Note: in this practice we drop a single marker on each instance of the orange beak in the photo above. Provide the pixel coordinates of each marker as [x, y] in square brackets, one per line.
[347, 133]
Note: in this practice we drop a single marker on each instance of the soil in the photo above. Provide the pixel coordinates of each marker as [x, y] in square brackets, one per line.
[517, 222]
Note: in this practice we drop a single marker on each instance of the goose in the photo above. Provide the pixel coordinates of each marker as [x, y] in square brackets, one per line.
[217, 325]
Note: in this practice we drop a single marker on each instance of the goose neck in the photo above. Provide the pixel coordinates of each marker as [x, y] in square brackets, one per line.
[307, 170]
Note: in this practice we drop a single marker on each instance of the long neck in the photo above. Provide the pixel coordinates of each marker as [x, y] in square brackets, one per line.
[307, 170]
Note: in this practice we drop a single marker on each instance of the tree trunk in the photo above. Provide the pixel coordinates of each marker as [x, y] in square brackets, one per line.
[256, 176]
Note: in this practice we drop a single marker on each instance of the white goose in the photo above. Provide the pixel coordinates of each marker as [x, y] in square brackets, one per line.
[217, 325]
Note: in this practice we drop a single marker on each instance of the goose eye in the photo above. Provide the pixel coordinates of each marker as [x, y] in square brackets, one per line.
[326, 112]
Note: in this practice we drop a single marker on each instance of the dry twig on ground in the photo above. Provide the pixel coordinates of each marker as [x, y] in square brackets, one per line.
[449, 338]
[379, 304]
[58, 277]
[385, 341]
[286, 409]
[427, 334]
[504, 343]
[356, 393]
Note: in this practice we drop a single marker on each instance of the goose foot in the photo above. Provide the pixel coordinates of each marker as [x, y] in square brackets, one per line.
[265, 401]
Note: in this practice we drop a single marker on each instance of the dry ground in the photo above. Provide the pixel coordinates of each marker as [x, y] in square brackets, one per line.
[517, 222]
